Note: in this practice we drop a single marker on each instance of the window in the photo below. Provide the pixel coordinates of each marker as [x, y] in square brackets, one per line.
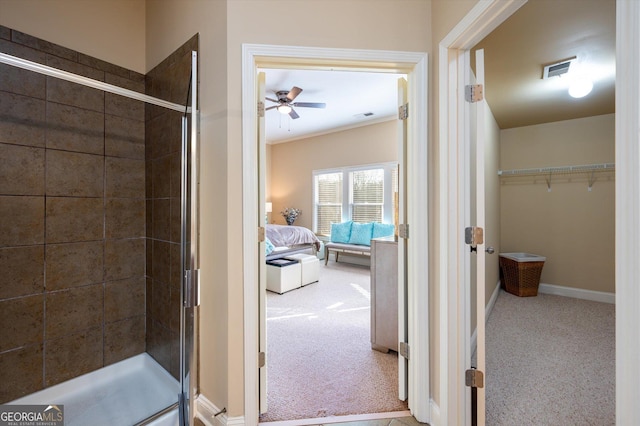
[362, 194]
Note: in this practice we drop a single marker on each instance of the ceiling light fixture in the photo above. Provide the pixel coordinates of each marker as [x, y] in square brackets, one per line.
[580, 87]
[284, 109]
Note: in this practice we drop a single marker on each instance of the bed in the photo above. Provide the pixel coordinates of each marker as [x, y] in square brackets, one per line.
[288, 239]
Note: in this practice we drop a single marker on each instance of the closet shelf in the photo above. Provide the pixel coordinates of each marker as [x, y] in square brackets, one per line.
[587, 168]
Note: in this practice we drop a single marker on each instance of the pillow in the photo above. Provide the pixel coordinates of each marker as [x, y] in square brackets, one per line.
[382, 230]
[361, 233]
[268, 246]
[340, 232]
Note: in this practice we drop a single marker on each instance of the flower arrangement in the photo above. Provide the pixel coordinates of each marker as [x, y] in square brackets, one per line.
[290, 214]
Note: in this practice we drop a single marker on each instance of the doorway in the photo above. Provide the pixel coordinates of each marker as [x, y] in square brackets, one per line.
[480, 22]
[415, 65]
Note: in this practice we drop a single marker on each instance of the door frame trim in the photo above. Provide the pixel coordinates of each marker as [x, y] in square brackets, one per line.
[415, 65]
[454, 192]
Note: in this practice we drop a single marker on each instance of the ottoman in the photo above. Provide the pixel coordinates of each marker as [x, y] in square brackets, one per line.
[310, 267]
[283, 275]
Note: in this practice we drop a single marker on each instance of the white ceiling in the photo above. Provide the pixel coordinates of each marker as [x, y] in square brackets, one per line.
[539, 33]
[347, 95]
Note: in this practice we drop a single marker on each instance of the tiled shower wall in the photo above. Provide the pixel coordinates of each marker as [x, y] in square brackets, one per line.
[72, 219]
[169, 81]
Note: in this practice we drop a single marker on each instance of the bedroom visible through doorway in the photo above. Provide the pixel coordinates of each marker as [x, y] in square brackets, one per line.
[290, 161]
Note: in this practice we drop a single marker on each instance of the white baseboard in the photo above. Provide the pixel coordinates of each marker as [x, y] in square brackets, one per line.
[435, 414]
[206, 411]
[487, 312]
[578, 293]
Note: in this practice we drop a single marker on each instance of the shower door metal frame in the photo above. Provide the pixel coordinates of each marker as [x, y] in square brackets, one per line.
[190, 281]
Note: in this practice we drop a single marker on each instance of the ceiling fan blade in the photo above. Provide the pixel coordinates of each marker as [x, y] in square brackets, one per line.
[272, 100]
[293, 114]
[310, 104]
[295, 91]
[271, 107]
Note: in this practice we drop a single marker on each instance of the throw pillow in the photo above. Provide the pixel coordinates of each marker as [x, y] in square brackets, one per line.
[268, 246]
[361, 233]
[340, 232]
[382, 230]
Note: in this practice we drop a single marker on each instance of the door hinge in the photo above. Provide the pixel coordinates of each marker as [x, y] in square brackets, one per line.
[474, 378]
[403, 230]
[260, 109]
[473, 93]
[191, 288]
[473, 235]
[261, 234]
[403, 349]
[262, 359]
[403, 112]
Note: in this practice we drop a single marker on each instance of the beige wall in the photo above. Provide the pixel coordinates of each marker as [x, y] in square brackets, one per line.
[109, 30]
[571, 226]
[293, 162]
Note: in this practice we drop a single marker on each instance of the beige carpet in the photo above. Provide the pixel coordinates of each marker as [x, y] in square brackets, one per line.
[320, 361]
[550, 361]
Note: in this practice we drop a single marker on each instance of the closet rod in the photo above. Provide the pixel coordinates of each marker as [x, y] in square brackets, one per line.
[85, 81]
[561, 169]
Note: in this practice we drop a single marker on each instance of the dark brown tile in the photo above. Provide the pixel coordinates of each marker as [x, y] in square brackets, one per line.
[149, 218]
[124, 258]
[124, 299]
[74, 67]
[161, 219]
[102, 65]
[125, 178]
[124, 339]
[161, 177]
[73, 355]
[159, 343]
[74, 174]
[21, 170]
[125, 218]
[18, 80]
[21, 321]
[124, 107]
[22, 120]
[176, 219]
[21, 372]
[21, 221]
[74, 310]
[176, 175]
[174, 368]
[5, 32]
[180, 78]
[68, 93]
[75, 129]
[160, 132]
[22, 271]
[148, 296]
[176, 267]
[74, 219]
[161, 303]
[73, 265]
[161, 268]
[124, 137]
[43, 45]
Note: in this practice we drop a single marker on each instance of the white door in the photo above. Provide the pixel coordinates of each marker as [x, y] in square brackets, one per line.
[262, 267]
[476, 286]
[403, 335]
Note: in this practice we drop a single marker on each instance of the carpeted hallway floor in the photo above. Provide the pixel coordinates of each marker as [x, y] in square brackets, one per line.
[320, 361]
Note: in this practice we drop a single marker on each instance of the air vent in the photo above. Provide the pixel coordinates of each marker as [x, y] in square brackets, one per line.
[364, 115]
[557, 69]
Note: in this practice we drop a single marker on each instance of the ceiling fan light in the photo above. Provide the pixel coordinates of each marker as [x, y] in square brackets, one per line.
[284, 109]
[580, 88]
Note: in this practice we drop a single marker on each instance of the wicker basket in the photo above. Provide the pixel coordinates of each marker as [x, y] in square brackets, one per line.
[520, 278]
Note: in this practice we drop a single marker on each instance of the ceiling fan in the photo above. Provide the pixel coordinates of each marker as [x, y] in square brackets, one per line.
[286, 104]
